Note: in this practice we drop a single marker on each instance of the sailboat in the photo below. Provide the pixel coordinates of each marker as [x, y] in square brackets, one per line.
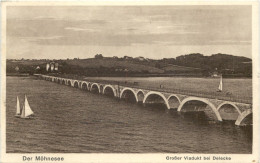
[27, 111]
[18, 109]
[220, 87]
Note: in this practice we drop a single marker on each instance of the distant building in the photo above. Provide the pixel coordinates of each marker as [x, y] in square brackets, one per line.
[56, 66]
[127, 57]
[140, 58]
[215, 74]
[16, 68]
[47, 66]
[52, 66]
[38, 68]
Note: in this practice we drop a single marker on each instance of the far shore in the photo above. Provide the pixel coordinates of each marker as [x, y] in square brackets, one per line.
[133, 75]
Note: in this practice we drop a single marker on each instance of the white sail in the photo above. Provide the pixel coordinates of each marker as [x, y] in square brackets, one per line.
[27, 111]
[23, 113]
[27, 108]
[220, 87]
[18, 109]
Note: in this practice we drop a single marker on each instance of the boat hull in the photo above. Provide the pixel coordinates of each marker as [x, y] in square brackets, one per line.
[27, 117]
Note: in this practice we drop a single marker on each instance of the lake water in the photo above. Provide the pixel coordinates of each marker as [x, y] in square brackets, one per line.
[69, 120]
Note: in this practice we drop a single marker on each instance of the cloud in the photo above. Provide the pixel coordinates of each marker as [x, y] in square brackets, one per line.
[101, 26]
[81, 29]
[157, 28]
[40, 38]
[244, 42]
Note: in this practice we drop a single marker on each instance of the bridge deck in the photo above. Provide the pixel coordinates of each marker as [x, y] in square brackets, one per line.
[211, 95]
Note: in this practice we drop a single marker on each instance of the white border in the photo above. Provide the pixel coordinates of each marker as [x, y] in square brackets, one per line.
[149, 157]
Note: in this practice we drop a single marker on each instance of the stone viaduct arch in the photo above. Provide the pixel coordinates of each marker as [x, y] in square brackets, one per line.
[69, 82]
[174, 101]
[189, 99]
[140, 95]
[76, 84]
[229, 111]
[107, 90]
[84, 85]
[94, 88]
[158, 94]
[128, 92]
[80, 84]
[63, 82]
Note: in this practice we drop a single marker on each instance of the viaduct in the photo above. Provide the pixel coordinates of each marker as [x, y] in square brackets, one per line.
[221, 110]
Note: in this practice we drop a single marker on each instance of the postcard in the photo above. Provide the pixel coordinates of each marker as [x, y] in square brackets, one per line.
[128, 81]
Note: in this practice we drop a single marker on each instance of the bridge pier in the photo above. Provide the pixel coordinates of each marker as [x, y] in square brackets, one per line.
[245, 118]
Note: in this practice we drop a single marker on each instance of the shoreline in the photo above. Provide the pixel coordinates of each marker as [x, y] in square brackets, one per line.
[131, 76]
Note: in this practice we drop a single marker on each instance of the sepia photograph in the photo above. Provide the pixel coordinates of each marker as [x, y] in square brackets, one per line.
[177, 80]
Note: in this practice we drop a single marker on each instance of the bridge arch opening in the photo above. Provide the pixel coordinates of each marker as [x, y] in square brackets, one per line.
[140, 96]
[63, 82]
[228, 111]
[173, 101]
[109, 91]
[156, 99]
[58, 80]
[84, 86]
[128, 95]
[194, 104]
[76, 84]
[94, 88]
[69, 83]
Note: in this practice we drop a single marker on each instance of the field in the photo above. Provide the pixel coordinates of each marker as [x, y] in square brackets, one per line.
[113, 63]
[239, 90]
[107, 63]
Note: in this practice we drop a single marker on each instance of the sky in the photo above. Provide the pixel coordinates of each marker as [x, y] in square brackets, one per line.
[60, 32]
